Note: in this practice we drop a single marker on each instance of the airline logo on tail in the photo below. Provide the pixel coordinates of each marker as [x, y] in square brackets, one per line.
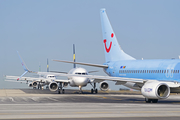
[108, 49]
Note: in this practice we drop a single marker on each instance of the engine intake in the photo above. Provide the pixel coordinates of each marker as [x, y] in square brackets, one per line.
[53, 86]
[30, 85]
[155, 90]
[34, 84]
[104, 86]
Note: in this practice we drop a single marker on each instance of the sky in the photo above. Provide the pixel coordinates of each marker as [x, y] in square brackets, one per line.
[41, 29]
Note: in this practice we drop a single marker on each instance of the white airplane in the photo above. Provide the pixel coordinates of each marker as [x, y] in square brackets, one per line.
[57, 84]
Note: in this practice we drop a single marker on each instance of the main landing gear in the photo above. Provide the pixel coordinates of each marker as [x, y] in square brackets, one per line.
[94, 90]
[60, 89]
[151, 100]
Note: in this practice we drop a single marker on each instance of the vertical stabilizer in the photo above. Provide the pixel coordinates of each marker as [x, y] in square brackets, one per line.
[47, 65]
[113, 51]
[74, 57]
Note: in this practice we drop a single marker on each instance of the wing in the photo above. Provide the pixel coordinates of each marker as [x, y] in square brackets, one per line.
[34, 79]
[98, 78]
[81, 63]
[23, 78]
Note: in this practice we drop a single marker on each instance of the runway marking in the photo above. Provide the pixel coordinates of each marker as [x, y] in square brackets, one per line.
[91, 112]
[53, 99]
[106, 97]
[11, 99]
[149, 111]
[4, 114]
[45, 113]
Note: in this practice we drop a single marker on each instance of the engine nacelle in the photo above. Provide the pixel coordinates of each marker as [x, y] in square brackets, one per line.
[155, 90]
[104, 86]
[53, 86]
[34, 84]
[65, 84]
[30, 85]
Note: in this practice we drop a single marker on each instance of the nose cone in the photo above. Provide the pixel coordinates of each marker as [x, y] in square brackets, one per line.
[81, 81]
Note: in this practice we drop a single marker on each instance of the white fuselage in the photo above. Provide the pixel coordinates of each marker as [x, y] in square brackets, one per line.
[78, 81]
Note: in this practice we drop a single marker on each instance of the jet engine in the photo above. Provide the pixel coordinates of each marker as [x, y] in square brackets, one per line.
[65, 84]
[155, 90]
[104, 86]
[53, 86]
[34, 84]
[30, 85]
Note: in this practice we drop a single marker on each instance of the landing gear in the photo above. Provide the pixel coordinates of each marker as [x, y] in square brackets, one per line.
[94, 90]
[60, 89]
[80, 90]
[39, 86]
[151, 100]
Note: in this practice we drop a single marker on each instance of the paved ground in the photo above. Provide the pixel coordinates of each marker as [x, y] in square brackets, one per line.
[38, 104]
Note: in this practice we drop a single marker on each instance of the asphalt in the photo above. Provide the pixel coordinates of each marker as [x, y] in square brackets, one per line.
[43, 104]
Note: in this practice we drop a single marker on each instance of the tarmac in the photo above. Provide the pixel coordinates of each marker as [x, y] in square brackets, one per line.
[114, 105]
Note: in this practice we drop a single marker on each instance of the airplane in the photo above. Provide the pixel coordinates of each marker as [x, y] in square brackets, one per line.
[156, 79]
[55, 84]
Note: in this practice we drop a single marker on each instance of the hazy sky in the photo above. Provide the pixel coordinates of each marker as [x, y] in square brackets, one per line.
[41, 29]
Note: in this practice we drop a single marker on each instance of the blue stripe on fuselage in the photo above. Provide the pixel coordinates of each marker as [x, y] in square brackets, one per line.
[165, 70]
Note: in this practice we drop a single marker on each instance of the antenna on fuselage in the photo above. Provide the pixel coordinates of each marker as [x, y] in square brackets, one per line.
[74, 59]
[47, 65]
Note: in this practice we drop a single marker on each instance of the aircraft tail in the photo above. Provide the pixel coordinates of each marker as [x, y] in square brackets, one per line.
[74, 57]
[23, 65]
[113, 51]
[47, 65]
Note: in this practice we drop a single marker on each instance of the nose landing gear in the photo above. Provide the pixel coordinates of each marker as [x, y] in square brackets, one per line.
[80, 90]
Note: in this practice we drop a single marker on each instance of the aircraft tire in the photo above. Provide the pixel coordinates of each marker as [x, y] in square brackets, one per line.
[63, 91]
[92, 91]
[154, 100]
[96, 91]
[148, 100]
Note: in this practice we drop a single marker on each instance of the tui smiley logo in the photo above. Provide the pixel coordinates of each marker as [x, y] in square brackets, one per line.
[108, 49]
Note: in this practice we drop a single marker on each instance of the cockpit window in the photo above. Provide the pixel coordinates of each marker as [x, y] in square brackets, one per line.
[81, 73]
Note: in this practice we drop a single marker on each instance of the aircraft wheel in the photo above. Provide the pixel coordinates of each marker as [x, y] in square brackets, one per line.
[148, 100]
[154, 100]
[63, 91]
[59, 92]
[96, 91]
[92, 91]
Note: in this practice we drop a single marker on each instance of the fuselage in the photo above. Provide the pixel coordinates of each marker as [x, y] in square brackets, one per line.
[78, 81]
[163, 70]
